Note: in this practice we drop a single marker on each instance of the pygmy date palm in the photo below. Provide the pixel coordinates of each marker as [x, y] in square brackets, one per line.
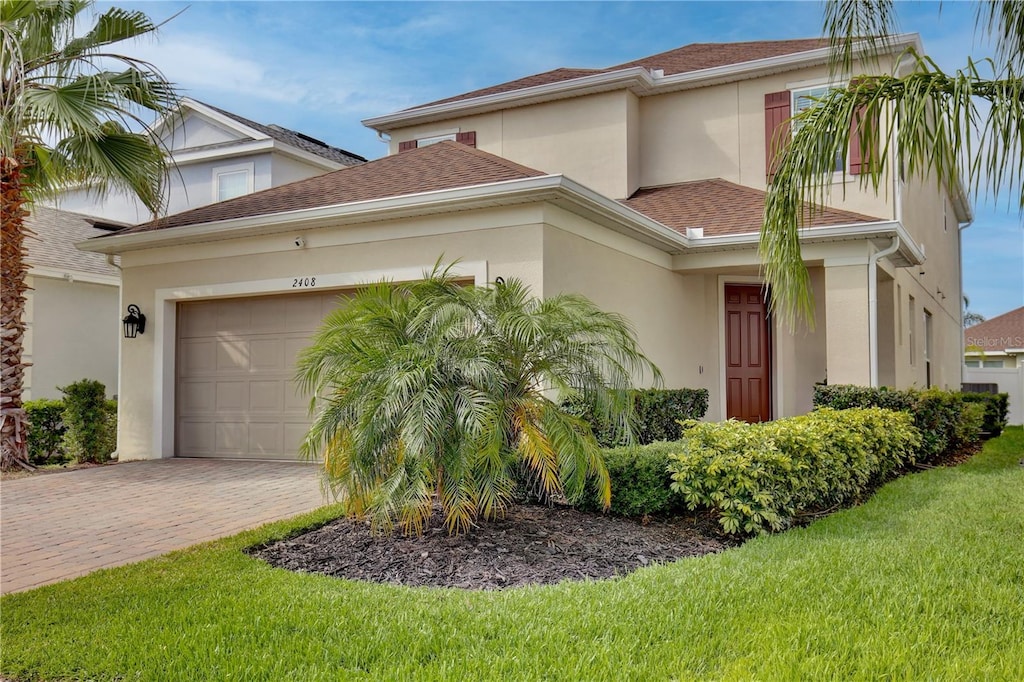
[965, 125]
[433, 391]
[65, 117]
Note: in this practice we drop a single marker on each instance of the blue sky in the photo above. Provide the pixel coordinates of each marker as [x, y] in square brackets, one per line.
[321, 67]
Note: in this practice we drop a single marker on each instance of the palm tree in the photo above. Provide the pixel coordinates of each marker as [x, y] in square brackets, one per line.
[950, 126]
[65, 117]
[434, 391]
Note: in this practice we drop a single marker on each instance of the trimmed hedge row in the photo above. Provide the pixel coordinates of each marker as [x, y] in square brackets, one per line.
[641, 482]
[658, 413]
[81, 427]
[946, 420]
[759, 476]
[997, 409]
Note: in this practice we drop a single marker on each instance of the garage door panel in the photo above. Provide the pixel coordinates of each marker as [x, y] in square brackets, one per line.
[233, 317]
[266, 395]
[232, 396]
[265, 438]
[267, 354]
[295, 401]
[197, 357]
[305, 314]
[232, 355]
[236, 393]
[195, 437]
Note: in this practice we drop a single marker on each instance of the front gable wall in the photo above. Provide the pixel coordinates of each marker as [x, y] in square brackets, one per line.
[196, 131]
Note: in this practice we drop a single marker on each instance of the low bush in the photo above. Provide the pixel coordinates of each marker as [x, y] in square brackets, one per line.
[657, 414]
[46, 431]
[946, 421]
[641, 483]
[759, 476]
[997, 408]
[87, 418]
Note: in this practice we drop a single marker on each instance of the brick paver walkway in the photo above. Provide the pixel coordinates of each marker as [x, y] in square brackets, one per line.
[62, 525]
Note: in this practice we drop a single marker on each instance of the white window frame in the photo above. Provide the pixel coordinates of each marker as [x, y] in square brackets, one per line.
[795, 93]
[250, 172]
[434, 139]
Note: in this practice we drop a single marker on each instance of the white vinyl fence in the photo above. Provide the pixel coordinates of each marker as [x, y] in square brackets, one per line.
[1010, 381]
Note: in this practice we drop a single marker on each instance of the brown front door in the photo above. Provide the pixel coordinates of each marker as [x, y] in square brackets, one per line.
[748, 376]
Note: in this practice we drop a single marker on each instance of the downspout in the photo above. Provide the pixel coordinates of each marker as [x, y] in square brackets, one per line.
[873, 307]
[120, 306]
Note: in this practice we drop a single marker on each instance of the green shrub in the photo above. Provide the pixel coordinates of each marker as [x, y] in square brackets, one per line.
[759, 476]
[997, 408]
[640, 479]
[46, 431]
[943, 418]
[86, 417]
[657, 414]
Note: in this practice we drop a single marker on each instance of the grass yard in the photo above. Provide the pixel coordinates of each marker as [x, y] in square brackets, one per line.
[925, 581]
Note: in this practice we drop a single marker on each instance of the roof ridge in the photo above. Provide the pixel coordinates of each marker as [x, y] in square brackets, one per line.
[493, 158]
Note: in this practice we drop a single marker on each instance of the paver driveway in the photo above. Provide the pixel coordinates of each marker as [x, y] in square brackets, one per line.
[61, 525]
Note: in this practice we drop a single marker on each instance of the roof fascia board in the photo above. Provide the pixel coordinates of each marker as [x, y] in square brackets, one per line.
[223, 120]
[636, 78]
[187, 156]
[73, 275]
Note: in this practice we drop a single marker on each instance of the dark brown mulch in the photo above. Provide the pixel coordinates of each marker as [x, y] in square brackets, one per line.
[531, 545]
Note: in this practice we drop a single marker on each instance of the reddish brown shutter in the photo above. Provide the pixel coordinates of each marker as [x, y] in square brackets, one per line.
[777, 110]
[407, 145]
[858, 129]
[468, 138]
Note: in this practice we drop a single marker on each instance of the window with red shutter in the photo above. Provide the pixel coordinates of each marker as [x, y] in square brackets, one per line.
[777, 108]
[467, 138]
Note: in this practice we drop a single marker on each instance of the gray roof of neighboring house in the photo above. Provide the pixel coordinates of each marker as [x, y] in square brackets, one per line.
[296, 139]
[53, 245]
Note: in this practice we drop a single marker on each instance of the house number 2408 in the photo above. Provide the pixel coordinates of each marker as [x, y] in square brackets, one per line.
[303, 282]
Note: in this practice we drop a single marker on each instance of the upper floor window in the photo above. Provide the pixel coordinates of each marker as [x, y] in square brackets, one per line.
[806, 99]
[467, 138]
[232, 181]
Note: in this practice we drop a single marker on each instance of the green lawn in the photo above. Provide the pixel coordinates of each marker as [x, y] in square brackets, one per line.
[925, 581]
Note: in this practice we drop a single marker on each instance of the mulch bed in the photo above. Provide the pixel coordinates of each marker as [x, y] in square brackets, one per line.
[532, 545]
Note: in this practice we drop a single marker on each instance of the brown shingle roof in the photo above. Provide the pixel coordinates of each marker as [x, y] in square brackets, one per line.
[53, 245]
[999, 333]
[720, 207]
[446, 165]
[693, 57]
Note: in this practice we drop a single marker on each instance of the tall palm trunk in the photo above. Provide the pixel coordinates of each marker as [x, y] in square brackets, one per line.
[13, 422]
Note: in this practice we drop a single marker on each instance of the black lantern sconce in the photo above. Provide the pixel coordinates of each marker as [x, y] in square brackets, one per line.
[134, 322]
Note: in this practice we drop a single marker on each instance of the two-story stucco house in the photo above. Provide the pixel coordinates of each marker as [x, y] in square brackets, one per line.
[74, 309]
[640, 186]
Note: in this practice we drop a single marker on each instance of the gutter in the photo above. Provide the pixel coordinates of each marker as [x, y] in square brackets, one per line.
[873, 306]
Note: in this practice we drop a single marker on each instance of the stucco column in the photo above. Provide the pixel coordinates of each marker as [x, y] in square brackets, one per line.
[846, 324]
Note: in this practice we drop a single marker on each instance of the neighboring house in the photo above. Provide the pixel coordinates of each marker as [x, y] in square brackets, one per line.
[994, 355]
[218, 155]
[640, 186]
[72, 309]
[996, 343]
[73, 314]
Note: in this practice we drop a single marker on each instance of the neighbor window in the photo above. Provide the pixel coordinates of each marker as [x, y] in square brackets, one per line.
[807, 98]
[232, 181]
[972, 363]
[992, 364]
[427, 141]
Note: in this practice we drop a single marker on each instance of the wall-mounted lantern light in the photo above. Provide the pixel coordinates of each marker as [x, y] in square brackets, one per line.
[134, 322]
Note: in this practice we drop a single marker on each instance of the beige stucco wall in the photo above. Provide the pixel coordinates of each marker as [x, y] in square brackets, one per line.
[847, 328]
[510, 242]
[662, 305]
[584, 138]
[74, 332]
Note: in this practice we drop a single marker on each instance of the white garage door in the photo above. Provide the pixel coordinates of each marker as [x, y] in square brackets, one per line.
[236, 394]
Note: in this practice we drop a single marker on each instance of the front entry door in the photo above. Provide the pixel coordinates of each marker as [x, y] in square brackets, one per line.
[748, 383]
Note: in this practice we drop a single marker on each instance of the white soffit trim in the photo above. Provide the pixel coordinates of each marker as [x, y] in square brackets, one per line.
[555, 188]
[910, 253]
[637, 79]
[184, 157]
[188, 103]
